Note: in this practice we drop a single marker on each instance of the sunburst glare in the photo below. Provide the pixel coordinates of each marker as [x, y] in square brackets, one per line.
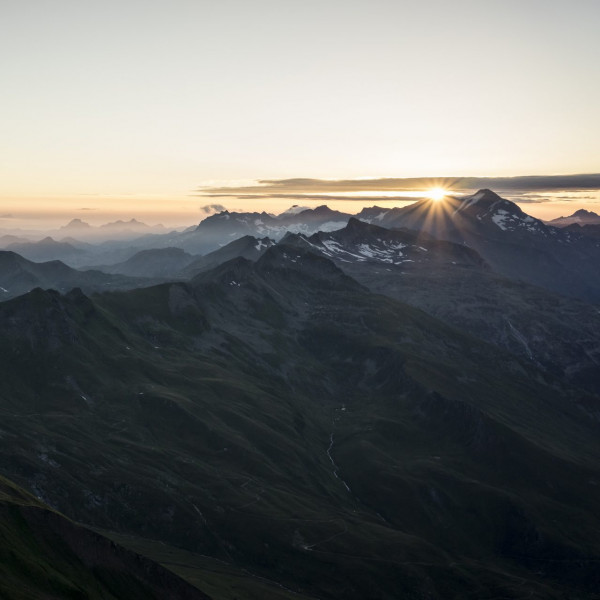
[436, 193]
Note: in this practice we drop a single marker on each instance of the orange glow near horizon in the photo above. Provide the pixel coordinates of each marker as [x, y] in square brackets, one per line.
[20, 212]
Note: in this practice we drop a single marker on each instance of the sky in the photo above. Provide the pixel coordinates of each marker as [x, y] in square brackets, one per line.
[128, 108]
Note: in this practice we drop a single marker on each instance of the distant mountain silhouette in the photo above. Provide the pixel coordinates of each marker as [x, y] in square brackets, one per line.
[579, 217]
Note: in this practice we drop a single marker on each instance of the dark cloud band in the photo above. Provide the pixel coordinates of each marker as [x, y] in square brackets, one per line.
[278, 188]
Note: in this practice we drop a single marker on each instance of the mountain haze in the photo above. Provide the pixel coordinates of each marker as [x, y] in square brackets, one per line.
[19, 275]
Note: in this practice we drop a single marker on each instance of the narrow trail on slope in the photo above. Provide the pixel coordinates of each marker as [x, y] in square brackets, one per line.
[330, 448]
[336, 467]
[521, 339]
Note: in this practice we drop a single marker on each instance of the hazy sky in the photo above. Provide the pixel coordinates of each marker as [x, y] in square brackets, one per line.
[132, 105]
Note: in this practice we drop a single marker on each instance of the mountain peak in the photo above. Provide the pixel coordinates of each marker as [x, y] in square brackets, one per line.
[485, 202]
[484, 195]
[355, 225]
[124, 224]
[293, 210]
[584, 213]
[76, 224]
[319, 211]
[580, 217]
[323, 208]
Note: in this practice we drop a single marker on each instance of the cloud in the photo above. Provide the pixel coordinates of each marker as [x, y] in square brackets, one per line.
[551, 196]
[527, 199]
[568, 197]
[209, 209]
[308, 186]
[516, 185]
[7, 216]
[318, 197]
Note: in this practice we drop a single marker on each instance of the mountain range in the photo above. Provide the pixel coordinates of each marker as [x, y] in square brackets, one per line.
[115, 229]
[19, 275]
[453, 283]
[580, 217]
[379, 409]
[513, 243]
[46, 249]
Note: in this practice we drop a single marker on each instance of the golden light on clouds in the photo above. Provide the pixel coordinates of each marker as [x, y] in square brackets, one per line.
[163, 108]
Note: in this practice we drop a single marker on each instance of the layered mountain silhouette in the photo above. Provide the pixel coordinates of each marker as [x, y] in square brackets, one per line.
[116, 229]
[158, 262]
[19, 275]
[46, 249]
[377, 409]
[224, 227]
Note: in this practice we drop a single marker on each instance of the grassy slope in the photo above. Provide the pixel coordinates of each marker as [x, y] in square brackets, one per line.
[44, 555]
[201, 416]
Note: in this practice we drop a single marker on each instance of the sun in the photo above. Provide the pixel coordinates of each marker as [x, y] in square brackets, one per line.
[436, 193]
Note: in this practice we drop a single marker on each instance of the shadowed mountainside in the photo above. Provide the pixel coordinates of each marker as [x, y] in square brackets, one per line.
[453, 283]
[280, 417]
[45, 555]
[513, 243]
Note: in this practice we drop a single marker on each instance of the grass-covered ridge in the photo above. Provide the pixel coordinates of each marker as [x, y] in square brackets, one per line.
[45, 555]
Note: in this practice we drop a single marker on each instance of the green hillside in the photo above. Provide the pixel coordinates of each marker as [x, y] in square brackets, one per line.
[280, 418]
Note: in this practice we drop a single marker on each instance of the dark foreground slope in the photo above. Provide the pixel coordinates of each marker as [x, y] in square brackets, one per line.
[279, 417]
[44, 555]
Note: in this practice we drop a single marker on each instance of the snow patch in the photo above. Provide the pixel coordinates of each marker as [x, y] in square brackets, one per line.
[366, 250]
[500, 219]
[336, 248]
